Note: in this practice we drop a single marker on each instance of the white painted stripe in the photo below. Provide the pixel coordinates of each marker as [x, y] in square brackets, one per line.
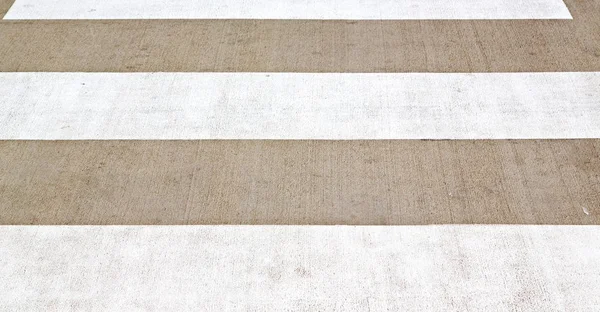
[289, 9]
[273, 268]
[49, 106]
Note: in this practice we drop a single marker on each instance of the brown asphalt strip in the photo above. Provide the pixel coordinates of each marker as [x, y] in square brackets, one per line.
[4, 6]
[305, 45]
[300, 182]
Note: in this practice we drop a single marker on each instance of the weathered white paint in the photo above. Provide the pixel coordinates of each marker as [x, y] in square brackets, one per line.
[316, 268]
[50, 106]
[289, 9]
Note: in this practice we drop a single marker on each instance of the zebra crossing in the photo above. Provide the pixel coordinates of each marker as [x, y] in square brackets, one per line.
[299, 155]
